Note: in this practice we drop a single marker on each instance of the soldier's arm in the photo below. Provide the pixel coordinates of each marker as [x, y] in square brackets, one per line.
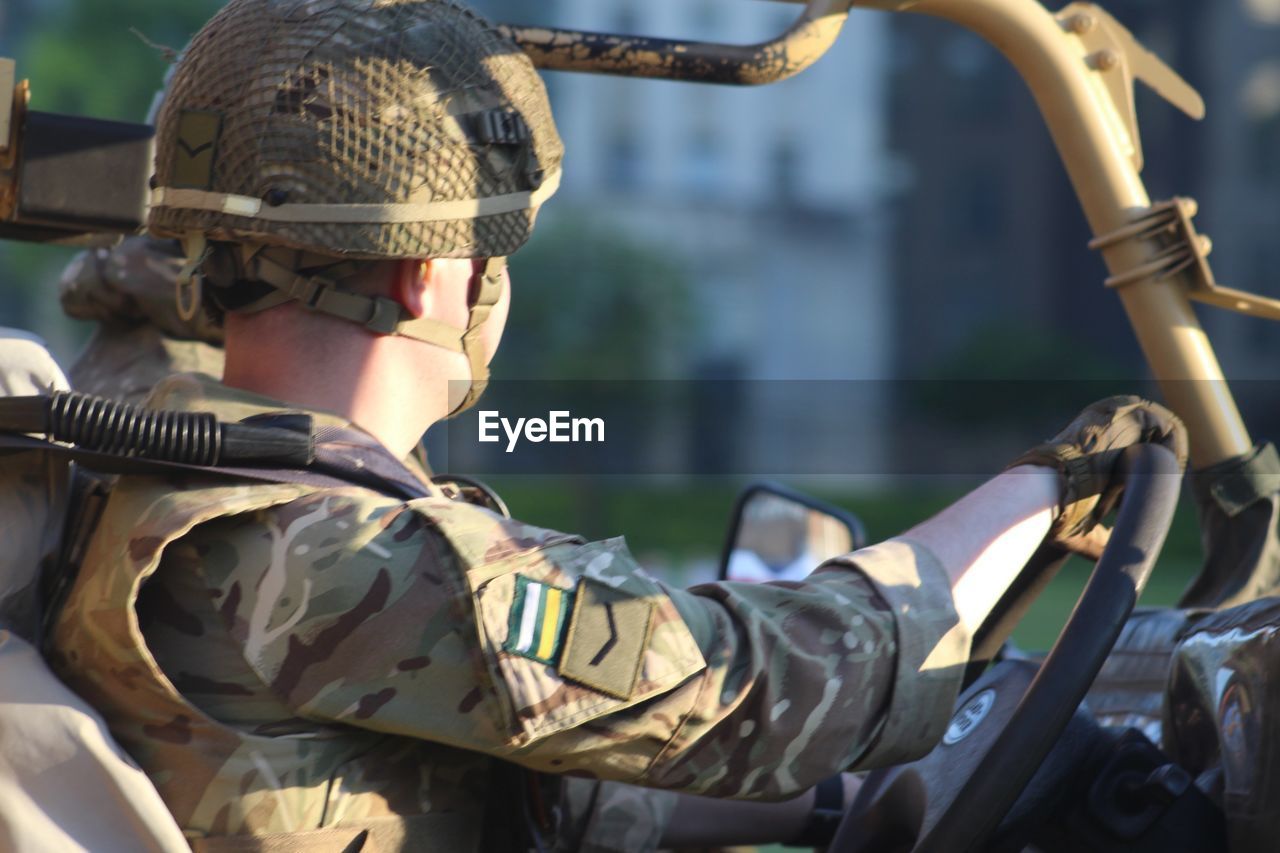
[1020, 507]
[444, 622]
[858, 665]
[985, 538]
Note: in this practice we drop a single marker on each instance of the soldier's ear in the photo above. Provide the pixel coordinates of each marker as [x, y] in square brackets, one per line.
[412, 278]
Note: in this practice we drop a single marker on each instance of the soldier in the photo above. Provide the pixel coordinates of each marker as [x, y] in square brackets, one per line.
[34, 495]
[323, 667]
[66, 785]
[139, 338]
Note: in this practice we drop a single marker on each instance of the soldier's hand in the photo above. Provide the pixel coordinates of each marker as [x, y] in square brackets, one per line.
[1086, 453]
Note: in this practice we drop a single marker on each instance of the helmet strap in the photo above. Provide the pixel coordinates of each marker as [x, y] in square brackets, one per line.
[484, 293]
[189, 285]
[320, 291]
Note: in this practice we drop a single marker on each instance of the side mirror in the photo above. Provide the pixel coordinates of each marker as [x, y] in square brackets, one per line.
[778, 534]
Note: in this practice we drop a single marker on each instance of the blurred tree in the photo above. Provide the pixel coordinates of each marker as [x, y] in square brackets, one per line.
[590, 302]
[89, 57]
[1010, 373]
[84, 57]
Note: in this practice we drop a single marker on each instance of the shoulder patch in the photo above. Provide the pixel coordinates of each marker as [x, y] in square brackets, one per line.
[608, 635]
[537, 622]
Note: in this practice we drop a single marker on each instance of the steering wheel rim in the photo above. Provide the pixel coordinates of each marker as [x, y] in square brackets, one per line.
[1152, 483]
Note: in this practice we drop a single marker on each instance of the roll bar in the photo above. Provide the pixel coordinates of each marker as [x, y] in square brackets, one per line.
[1081, 66]
[1062, 58]
[803, 44]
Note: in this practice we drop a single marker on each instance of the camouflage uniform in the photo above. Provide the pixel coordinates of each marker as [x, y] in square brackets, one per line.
[139, 339]
[336, 661]
[302, 667]
[35, 488]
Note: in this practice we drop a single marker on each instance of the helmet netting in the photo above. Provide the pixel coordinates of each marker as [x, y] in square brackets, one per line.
[360, 102]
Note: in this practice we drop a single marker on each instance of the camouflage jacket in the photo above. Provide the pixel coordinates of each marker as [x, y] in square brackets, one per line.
[305, 658]
[139, 337]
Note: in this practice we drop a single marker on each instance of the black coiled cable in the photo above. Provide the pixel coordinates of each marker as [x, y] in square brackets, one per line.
[120, 429]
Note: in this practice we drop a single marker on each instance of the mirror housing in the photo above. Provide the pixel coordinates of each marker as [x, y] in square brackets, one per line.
[777, 533]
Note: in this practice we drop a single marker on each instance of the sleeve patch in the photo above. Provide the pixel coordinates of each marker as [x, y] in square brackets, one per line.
[652, 650]
[608, 635]
[537, 621]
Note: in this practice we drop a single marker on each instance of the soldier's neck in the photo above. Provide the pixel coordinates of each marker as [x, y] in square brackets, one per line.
[377, 383]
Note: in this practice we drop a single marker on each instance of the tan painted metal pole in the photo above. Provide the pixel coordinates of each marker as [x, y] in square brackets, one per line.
[1089, 133]
[1085, 95]
[804, 43]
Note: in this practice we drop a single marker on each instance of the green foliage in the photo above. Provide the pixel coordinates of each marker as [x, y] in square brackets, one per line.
[589, 302]
[1027, 375]
[1011, 349]
[82, 57]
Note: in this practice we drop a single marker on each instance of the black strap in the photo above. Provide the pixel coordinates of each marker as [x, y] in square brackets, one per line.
[343, 457]
[87, 497]
[358, 458]
[122, 429]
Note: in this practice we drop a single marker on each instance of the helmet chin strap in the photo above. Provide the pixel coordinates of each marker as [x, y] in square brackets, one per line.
[279, 268]
[484, 292]
[189, 283]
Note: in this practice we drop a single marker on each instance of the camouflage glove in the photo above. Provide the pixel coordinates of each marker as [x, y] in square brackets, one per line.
[1086, 452]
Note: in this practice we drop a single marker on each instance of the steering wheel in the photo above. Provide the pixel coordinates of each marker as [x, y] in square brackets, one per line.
[954, 799]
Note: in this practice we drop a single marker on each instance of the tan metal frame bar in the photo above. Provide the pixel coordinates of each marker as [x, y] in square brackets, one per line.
[803, 44]
[1090, 136]
[1080, 65]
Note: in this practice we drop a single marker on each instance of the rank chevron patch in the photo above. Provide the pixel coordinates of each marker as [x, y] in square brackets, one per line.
[538, 616]
[608, 634]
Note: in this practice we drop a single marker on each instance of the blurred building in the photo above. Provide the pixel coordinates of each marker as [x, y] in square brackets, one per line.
[990, 249]
[991, 240]
[773, 198]
[1240, 204]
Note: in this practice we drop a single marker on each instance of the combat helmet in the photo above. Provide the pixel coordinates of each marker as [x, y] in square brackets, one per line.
[298, 136]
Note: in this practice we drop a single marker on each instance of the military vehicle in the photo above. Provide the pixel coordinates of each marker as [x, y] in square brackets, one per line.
[1137, 731]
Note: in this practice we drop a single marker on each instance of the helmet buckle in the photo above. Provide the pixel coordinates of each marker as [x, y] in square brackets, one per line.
[309, 290]
[385, 316]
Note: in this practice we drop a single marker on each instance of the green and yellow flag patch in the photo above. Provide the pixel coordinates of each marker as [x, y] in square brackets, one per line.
[538, 617]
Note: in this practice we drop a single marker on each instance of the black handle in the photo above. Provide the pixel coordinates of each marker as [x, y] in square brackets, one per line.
[132, 432]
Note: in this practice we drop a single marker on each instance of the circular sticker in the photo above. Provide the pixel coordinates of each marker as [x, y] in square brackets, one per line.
[969, 717]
